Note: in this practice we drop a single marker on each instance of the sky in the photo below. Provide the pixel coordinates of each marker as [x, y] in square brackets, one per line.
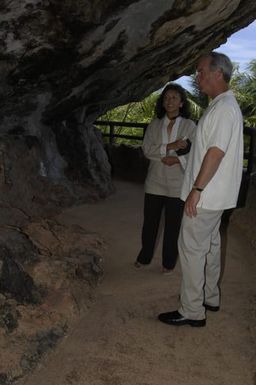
[240, 48]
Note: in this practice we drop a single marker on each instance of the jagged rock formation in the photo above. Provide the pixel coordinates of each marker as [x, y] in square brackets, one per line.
[63, 64]
[66, 264]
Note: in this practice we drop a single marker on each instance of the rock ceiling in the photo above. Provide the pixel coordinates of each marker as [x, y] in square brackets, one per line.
[58, 57]
[64, 63]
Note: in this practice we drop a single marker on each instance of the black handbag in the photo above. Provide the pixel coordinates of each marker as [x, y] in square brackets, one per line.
[184, 151]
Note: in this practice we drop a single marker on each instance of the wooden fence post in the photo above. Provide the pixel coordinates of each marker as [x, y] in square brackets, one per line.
[111, 133]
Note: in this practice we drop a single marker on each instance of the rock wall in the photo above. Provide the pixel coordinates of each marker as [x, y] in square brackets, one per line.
[47, 271]
[47, 276]
[62, 65]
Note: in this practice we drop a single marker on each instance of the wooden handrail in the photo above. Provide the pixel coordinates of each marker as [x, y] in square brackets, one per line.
[250, 155]
[119, 124]
[113, 124]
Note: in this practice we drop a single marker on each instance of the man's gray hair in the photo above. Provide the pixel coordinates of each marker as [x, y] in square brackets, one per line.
[222, 62]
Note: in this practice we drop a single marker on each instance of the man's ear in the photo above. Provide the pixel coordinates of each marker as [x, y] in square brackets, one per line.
[219, 74]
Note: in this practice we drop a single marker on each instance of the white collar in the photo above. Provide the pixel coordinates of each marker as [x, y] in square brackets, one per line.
[220, 96]
[166, 121]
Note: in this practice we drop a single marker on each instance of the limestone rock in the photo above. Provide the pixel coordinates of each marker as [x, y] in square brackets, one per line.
[64, 63]
[45, 294]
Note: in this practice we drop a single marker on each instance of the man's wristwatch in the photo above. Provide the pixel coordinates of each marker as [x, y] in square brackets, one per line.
[197, 188]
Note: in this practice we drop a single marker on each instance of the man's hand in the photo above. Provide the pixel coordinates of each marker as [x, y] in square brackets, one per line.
[170, 160]
[191, 202]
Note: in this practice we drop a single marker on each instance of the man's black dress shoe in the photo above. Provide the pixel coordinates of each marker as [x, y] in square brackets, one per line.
[175, 318]
[211, 308]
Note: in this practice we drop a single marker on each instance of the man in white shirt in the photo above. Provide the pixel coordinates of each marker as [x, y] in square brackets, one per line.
[211, 185]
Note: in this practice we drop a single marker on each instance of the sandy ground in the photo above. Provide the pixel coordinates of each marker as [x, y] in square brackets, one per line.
[118, 340]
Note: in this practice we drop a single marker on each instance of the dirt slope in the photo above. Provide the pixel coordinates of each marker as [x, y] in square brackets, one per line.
[118, 340]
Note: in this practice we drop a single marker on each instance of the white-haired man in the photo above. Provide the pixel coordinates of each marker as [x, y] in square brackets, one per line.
[211, 185]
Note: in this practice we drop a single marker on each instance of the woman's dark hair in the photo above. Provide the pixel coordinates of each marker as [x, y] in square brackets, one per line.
[184, 110]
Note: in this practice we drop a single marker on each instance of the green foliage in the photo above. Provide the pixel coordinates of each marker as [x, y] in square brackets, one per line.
[198, 100]
[243, 85]
[142, 111]
[138, 112]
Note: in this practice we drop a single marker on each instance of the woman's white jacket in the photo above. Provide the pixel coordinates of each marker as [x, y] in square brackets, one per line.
[162, 179]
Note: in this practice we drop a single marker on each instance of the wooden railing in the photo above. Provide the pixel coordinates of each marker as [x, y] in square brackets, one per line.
[116, 125]
[249, 153]
[250, 132]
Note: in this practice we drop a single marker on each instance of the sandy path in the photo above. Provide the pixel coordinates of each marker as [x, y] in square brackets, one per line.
[118, 340]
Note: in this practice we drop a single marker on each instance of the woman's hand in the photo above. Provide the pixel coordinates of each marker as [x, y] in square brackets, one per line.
[177, 145]
[170, 160]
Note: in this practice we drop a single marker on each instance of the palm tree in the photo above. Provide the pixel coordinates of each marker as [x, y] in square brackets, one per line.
[198, 101]
[244, 86]
[142, 112]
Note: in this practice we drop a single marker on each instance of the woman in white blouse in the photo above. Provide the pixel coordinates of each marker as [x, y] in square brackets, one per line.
[166, 144]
